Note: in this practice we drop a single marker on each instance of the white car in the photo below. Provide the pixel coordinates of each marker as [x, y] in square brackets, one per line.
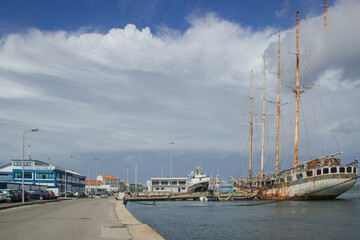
[4, 197]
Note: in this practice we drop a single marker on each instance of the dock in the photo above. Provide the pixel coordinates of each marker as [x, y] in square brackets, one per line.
[148, 196]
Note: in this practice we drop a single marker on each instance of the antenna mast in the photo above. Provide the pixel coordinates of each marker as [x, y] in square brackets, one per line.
[296, 152]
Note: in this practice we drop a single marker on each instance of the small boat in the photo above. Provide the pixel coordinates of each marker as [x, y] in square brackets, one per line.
[198, 182]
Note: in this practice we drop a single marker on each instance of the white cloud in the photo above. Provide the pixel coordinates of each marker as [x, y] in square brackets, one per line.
[129, 89]
[284, 9]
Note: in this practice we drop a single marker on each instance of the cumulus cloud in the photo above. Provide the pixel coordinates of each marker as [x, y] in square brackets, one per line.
[129, 89]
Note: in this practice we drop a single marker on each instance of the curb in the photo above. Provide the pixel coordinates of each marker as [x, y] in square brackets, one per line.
[13, 205]
[136, 229]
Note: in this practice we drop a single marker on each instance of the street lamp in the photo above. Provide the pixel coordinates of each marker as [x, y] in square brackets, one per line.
[96, 160]
[72, 155]
[23, 160]
[171, 143]
[89, 178]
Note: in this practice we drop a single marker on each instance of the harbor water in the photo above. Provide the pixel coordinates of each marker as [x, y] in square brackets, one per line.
[330, 219]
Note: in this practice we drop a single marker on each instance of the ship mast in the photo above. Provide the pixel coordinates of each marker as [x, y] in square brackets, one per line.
[325, 22]
[263, 128]
[296, 152]
[278, 114]
[251, 127]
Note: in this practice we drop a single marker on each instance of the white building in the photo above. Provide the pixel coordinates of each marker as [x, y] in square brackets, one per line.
[110, 181]
[167, 185]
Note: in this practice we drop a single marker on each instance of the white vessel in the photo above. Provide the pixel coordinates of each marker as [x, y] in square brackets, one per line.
[198, 182]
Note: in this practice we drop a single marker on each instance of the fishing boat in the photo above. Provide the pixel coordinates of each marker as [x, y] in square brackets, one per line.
[198, 182]
[320, 178]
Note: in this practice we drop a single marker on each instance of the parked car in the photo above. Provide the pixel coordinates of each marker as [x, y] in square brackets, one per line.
[27, 195]
[42, 194]
[104, 195]
[50, 194]
[18, 194]
[70, 194]
[10, 194]
[4, 197]
[35, 194]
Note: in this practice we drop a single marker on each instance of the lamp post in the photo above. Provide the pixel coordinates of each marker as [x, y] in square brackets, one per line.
[96, 161]
[171, 143]
[66, 175]
[23, 160]
[89, 178]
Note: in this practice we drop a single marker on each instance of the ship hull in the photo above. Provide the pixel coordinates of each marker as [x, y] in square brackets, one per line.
[313, 188]
[199, 187]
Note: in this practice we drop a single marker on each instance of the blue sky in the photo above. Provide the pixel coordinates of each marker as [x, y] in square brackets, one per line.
[100, 15]
[119, 80]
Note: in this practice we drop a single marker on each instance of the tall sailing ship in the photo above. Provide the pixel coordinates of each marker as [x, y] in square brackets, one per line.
[320, 178]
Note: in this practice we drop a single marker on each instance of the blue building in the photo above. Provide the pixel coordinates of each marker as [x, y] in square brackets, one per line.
[40, 173]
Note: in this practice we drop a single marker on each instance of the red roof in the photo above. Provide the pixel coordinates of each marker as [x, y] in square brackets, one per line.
[108, 176]
[93, 182]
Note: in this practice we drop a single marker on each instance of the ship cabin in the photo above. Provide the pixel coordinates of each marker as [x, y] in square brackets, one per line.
[314, 169]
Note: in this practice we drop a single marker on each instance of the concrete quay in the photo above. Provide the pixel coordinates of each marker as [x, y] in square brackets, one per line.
[136, 229]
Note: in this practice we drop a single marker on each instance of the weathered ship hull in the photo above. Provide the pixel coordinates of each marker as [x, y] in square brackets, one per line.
[317, 187]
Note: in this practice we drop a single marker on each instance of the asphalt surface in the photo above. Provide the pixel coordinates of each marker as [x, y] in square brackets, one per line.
[85, 218]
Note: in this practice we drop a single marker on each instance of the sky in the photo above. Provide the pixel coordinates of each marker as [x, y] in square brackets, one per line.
[120, 80]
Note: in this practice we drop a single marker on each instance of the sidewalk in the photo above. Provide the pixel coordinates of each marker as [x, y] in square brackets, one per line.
[137, 230]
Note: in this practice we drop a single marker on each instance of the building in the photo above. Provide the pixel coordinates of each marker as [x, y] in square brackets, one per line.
[167, 184]
[96, 186]
[111, 181]
[41, 173]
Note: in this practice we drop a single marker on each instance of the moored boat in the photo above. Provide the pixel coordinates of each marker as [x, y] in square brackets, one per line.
[320, 178]
[198, 182]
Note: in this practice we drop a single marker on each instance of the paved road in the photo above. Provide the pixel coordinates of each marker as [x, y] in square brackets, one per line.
[73, 219]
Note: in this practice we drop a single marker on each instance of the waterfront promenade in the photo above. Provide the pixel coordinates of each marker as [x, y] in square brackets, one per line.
[97, 218]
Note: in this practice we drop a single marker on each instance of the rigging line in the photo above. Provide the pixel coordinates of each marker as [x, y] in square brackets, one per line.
[306, 131]
[244, 155]
[285, 149]
[269, 141]
[289, 126]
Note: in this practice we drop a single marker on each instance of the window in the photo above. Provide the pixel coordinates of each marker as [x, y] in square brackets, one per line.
[182, 183]
[27, 175]
[174, 183]
[342, 169]
[289, 178]
[183, 188]
[348, 169]
[325, 171]
[318, 172]
[164, 183]
[299, 176]
[309, 173]
[282, 180]
[162, 188]
[333, 170]
[44, 176]
[157, 188]
[155, 183]
[354, 170]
